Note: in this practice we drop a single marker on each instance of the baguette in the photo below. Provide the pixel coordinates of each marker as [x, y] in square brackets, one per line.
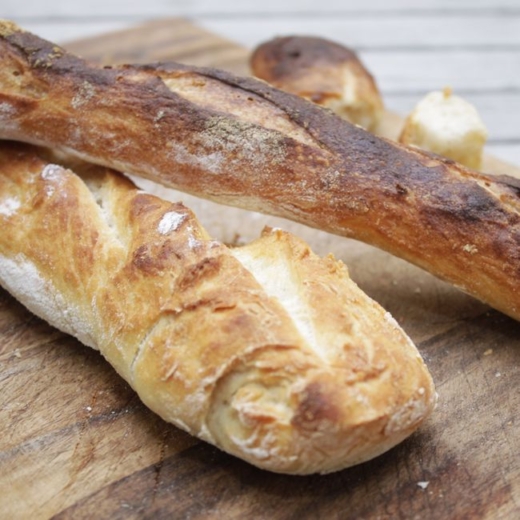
[266, 351]
[321, 71]
[241, 142]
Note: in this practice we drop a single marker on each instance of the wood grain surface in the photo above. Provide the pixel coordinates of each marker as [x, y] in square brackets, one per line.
[77, 443]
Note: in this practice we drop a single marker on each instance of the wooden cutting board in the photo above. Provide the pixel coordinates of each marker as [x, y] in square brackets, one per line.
[77, 443]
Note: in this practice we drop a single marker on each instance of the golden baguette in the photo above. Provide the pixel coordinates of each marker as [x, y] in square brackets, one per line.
[241, 142]
[266, 350]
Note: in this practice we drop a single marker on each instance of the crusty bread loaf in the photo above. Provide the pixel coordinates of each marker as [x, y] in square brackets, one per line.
[244, 143]
[321, 71]
[266, 350]
[447, 125]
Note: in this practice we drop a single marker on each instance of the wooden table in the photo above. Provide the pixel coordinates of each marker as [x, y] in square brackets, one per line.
[77, 443]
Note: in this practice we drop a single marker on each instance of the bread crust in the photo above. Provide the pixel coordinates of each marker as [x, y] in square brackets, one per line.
[242, 142]
[266, 351]
[321, 71]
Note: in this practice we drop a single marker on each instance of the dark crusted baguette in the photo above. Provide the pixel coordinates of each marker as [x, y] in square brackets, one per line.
[244, 143]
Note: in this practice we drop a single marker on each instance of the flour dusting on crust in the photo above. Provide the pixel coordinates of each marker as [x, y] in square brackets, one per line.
[21, 278]
[171, 221]
[9, 206]
[52, 172]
